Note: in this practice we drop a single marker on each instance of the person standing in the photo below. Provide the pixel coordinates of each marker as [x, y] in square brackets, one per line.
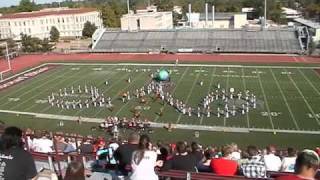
[124, 153]
[143, 161]
[15, 162]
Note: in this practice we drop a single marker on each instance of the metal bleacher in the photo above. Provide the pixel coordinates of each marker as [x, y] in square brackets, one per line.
[196, 40]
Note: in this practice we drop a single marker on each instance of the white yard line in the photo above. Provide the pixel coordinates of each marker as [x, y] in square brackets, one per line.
[305, 100]
[106, 90]
[189, 95]
[117, 113]
[48, 87]
[245, 88]
[227, 86]
[285, 100]
[33, 81]
[160, 125]
[265, 100]
[186, 65]
[311, 84]
[62, 110]
[180, 79]
[209, 89]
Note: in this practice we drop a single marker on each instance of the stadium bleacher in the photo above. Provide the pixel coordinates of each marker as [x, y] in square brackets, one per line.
[201, 41]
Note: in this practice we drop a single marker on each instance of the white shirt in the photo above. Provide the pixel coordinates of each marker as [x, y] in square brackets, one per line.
[273, 162]
[145, 169]
[235, 156]
[288, 164]
[42, 145]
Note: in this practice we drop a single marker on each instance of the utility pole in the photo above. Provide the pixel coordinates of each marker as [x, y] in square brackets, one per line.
[128, 6]
[265, 14]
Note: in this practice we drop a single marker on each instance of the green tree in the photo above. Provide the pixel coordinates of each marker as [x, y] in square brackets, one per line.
[111, 13]
[27, 6]
[30, 44]
[54, 34]
[45, 45]
[88, 29]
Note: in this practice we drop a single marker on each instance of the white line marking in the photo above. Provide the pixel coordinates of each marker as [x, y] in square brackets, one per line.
[265, 100]
[209, 89]
[305, 100]
[306, 78]
[39, 87]
[285, 100]
[180, 79]
[160, 125]
[189, 95]
[245, 88]
[186, 65]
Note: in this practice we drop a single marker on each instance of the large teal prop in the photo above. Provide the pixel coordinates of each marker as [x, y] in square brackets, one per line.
[163, 75]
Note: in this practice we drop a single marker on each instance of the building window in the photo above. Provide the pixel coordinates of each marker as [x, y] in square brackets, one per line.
[58, 20]
[62, 20]
[30, 30]
[32, 22]
[8, 23]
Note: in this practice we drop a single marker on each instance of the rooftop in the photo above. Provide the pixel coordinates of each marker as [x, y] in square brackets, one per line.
[47, 12]
[308, 23]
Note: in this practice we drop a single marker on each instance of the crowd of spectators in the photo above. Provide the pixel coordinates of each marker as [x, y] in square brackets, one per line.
[139, 159]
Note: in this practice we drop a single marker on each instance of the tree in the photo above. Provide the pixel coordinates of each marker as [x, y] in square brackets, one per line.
[54, 34]
[33, 44]
[88, 29]
[45, 45]
[30, 44]
[27, 6]
[112, 11]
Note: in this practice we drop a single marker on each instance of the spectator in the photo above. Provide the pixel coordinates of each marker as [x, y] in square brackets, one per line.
[236, 153]
[60, 144]
[75, 171]
[15, 162]
[144, 161]
[196, 151]
[69, 147]
[42, 144]
[181, 160]
[273, 162]
[124, 153]
[307, 164]
[225, 165]
[288, 163]
[254, 167]
[86, 147]
[204, 164]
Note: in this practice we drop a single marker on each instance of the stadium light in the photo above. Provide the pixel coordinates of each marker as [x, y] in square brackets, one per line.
[265, 14]
[8, 60]
[128, 6]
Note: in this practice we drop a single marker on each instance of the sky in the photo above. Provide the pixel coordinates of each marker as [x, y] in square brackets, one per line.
[8, 3]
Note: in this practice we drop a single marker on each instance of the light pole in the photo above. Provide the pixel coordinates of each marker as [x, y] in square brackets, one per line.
[265, 14]
[128, 6]
[8, 60]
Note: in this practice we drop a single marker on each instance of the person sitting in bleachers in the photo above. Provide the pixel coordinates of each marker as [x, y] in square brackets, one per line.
[288, 163]
[306, 166]
[182, 160]
[254, 167]
[42, 143]
[15, 162]
[273, 162]
[224, 166]
[204, 164]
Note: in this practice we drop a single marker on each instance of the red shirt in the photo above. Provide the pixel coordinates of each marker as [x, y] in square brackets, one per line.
[224, 167]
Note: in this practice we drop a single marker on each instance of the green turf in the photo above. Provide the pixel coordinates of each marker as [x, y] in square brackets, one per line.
[288, 101]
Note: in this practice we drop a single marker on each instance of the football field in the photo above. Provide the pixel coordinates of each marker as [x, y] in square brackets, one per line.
[287, 97]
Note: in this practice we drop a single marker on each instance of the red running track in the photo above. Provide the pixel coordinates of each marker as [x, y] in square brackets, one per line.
[27, 61]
